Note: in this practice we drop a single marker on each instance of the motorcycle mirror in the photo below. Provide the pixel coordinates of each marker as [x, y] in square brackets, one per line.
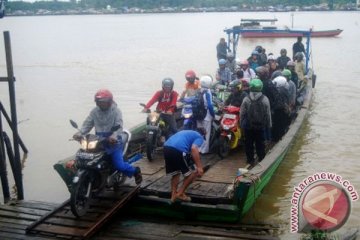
[115, 128]
[74, 124]
[142, 104]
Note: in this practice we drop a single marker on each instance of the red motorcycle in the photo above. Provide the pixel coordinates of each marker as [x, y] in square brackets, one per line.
[230, 132]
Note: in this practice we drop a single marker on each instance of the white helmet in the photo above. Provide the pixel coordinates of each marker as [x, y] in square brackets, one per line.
[206, 81]
[238, 61]
[280, 81]
[271, 57]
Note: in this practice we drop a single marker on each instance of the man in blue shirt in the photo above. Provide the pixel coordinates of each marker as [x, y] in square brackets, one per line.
[181, 153]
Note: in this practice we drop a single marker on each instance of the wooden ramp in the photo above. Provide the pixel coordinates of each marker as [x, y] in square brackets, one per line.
[212, 188]
[61, 223]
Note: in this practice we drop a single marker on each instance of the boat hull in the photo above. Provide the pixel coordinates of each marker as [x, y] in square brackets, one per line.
[285, 33]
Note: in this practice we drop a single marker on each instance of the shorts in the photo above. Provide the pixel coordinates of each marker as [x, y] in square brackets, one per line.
[178, 162]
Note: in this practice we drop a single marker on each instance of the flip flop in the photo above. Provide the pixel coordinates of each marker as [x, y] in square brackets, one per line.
[184, 198]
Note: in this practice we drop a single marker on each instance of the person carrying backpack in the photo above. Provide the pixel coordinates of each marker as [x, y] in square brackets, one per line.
[204, 111]
[255, 117]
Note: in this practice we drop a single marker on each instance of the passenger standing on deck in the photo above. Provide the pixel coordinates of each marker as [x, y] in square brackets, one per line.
[221, 49]
[255, 117]
[206, 82]
[300, 70]
[248, 72]
[104, 117]
[191, 85]
[272, 64]
[298, 47]
[166, 99]
[283, 59]
[254, 60]
[223, 74]
[294, 76]
[230, 62]
[181, 153]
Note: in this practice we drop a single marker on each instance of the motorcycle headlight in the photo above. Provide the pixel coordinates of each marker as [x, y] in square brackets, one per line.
[153, 119]
[187, 115]
[92, 145]
[88, 145]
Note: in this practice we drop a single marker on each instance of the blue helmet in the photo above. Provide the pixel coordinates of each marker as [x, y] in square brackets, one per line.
[222, 62]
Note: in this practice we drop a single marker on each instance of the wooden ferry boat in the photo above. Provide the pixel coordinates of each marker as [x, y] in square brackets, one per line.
[251, 28]
[221, 194]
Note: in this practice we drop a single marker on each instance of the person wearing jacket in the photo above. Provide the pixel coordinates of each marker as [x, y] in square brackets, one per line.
[205, 82]
[104, 117]
[166, 99]
[254, 133]
[237, 95]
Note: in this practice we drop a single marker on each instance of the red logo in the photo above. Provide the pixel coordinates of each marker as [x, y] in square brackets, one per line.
[325, 206]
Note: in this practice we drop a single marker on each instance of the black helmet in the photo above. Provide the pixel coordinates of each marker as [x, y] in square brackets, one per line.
[167, 82]
[275, 74]
[235, 84]
[283, 51]
[262, 72]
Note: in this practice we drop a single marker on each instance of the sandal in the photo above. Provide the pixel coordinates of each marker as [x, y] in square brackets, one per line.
[183, 198]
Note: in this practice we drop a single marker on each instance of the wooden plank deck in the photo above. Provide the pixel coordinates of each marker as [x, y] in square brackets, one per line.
[17, 216]
[214, 184]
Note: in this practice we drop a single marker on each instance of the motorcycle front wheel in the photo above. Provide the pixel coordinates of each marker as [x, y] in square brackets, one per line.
[224, 147]
[81, 196]
[150, 147]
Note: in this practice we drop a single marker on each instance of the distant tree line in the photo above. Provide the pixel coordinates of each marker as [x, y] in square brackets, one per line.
[150, 4]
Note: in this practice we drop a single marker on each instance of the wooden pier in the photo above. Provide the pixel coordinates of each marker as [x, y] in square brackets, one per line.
[16, 217]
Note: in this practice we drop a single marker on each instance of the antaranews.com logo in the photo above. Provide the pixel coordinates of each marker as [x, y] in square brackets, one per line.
[321, 201]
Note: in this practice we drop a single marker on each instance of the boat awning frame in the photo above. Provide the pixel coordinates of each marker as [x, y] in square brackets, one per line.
[235, 32]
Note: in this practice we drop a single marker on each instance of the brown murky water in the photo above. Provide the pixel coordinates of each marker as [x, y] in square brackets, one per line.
[60, 61]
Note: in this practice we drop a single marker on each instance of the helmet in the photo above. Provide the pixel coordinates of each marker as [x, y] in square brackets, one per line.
[206, 81]
[283, 51]
[290, 64]
[238, 61]
[255, 53]
[280, 81]
[167, 82]
[256, 85]
[245, 62]
[235, 84]
[245, 83]
[271, 57]
[299, 56]
[190, 76]
[222, 62]
[286, 73]
[258, 49]
[262, 72]
[275, 74]
[103, 95]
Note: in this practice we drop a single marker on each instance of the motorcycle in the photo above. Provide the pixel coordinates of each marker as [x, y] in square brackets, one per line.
[156, 132]
[94, 171]
[187, 113]
[230, 132]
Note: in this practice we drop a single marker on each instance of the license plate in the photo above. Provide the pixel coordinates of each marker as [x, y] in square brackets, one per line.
[85, 155]
[229, 116]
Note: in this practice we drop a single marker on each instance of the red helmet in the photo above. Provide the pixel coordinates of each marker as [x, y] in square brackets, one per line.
[190, 74]
[103, 95]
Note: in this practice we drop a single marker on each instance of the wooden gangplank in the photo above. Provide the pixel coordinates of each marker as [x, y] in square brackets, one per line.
[61, 223]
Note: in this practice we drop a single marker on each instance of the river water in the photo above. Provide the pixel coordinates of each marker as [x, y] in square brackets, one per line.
[60, 61]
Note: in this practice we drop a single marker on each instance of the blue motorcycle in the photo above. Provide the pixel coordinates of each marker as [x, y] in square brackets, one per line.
[187, 113]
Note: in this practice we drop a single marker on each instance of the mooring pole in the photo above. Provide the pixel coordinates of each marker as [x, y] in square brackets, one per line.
[11, 80]
[3, 169]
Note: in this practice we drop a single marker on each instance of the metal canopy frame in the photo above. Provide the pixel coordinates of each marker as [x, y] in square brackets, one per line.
[235, 32]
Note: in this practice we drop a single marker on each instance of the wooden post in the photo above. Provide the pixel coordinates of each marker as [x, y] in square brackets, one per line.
[3, 171]
[11, 80]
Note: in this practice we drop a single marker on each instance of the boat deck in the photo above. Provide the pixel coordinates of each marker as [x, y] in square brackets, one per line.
[213, 187]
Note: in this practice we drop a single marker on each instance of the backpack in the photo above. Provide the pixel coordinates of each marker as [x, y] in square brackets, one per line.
[198, 106]
[256, 114]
